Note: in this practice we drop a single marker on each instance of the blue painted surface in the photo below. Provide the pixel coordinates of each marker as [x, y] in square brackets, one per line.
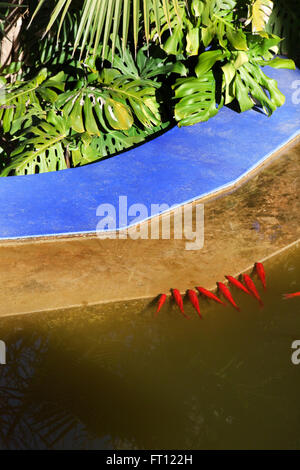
[180, 166]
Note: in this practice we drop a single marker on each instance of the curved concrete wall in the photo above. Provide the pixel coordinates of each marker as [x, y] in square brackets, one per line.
[180, 166]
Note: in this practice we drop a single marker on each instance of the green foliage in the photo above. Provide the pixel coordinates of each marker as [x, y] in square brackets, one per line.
[5, 7]
[284, 21]
[238, 60]
[22, 95]
[102, 19]
[59, 121]
[43, 151]
[97, 79]
[260, 12]
[197, 99]
[246, 82]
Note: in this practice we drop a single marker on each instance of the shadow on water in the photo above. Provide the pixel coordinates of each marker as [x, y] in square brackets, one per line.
[117, 377]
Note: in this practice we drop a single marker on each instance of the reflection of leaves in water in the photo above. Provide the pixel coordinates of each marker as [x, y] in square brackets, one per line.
[92, 384]
[66, 381]
[59, 381]
[27, 421]
[15, 377]
[124, 381]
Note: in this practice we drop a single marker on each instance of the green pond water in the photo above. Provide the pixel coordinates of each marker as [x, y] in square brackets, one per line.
[119, 378]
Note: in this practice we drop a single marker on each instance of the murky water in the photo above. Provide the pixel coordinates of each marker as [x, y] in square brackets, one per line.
[119, 378]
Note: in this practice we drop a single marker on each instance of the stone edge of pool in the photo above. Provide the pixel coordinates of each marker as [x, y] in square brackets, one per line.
[207, 159]
[223, 191]
[144, 301]
[53, 274]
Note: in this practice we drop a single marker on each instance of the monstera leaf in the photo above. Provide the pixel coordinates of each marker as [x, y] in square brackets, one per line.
[217, 21]
[261, 88]
[250, 86]
[42, 152]
[261, 11]
[52, 146]
[207, 60]
[89, 149]
[197, 99]
[210, 19]
[147, 67]
[90, 110]
[139, 94]
[15, 100]
[111, 105]
[97, 107]
[244, 79]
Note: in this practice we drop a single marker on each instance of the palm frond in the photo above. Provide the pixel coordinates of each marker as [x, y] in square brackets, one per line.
[101, 20]
[285, 23]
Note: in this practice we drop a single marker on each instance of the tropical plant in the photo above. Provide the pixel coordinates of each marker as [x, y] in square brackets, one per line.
[284, 21]
[98, 78]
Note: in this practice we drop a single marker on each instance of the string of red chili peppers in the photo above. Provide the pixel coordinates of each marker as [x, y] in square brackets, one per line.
[248, 287]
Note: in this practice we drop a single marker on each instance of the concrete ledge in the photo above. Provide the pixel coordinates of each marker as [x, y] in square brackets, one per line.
[255, 221]
[181, 166]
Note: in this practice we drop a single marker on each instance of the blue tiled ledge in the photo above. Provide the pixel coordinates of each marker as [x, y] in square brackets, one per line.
[177, 167]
